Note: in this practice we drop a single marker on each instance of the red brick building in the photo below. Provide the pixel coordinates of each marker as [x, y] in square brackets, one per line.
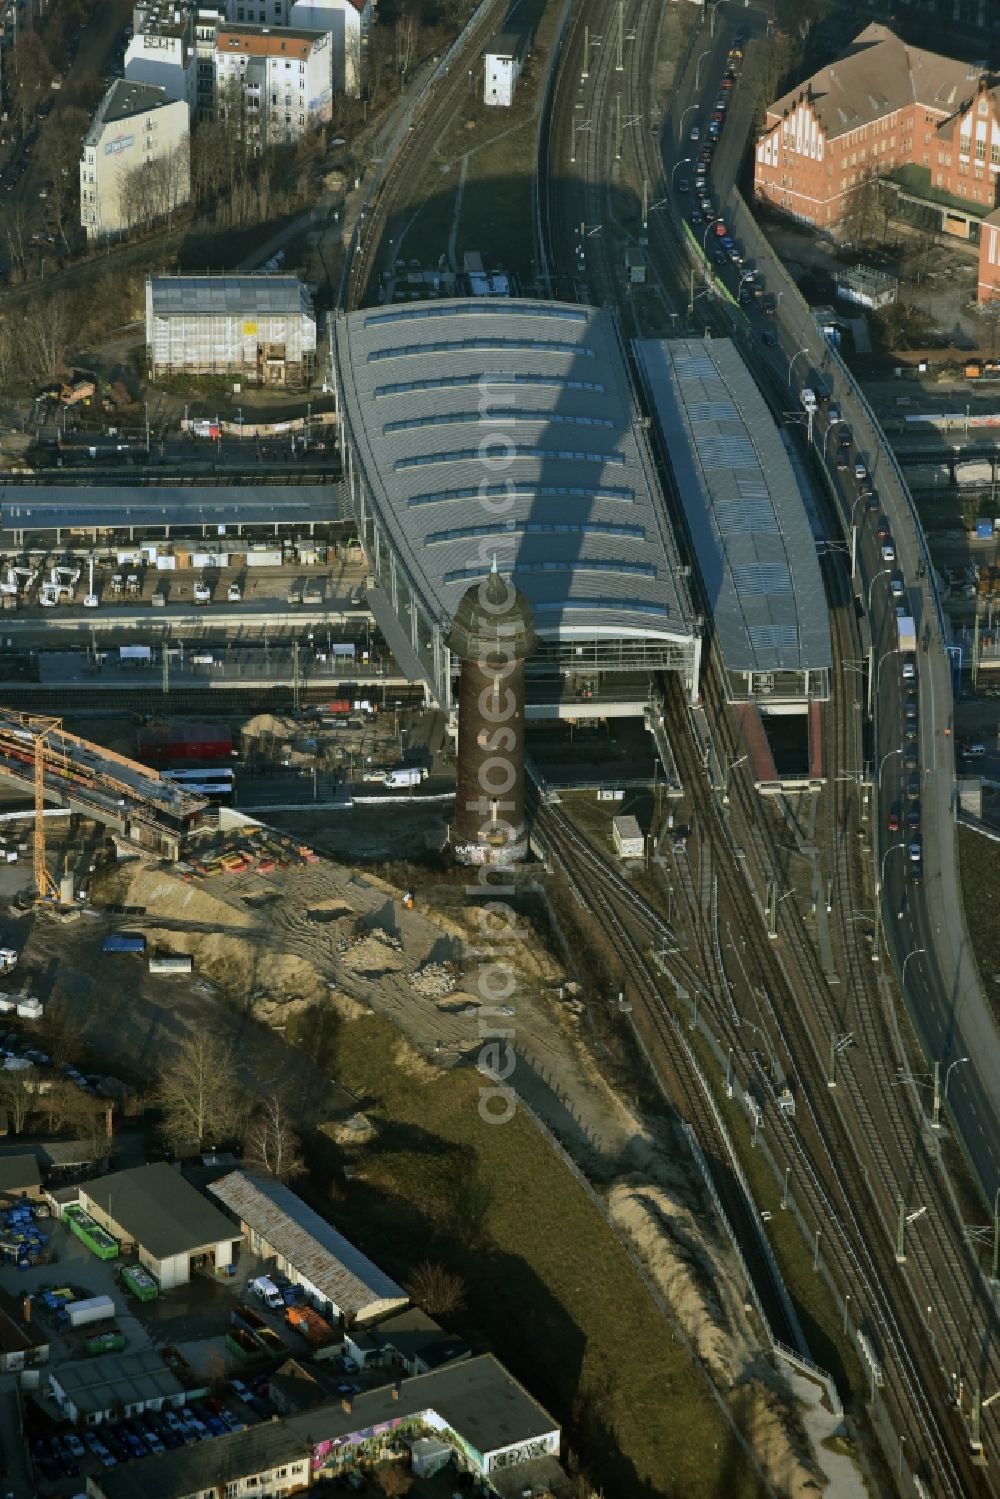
[882, 106]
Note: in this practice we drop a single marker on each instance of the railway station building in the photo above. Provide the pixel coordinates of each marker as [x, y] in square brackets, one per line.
[751, 538]
[480, 433]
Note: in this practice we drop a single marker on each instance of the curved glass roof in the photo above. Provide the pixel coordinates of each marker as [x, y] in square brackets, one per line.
[551, 472]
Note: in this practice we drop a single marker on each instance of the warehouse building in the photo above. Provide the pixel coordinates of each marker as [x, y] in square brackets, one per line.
[97, 1389]
[173, 1227]
[135, 169]
[261, 329]
[496, 1431]
[279, 1226]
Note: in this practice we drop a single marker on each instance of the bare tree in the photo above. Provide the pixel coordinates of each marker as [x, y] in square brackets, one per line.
[438, 1290]
[47, 326]
[18, 1095]
[58, 155]
[30, 74]
[198, 1091]
[272, 1142]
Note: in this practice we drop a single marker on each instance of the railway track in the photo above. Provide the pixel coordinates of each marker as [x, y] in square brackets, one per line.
[434, 113]
[800, 1008]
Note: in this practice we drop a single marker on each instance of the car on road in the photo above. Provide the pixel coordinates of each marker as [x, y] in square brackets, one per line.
[720, 258]
[916, 850]
[883, 531]
[910, 732]
[910, 759]
[892, 821]
[909, 670]
[769, 337]
[860, 471]
[683, 186]
[888, 552]
[896, 586]
[746, 298]
[913, 818]
[694, 133]
[74, 1444]
[696, 218]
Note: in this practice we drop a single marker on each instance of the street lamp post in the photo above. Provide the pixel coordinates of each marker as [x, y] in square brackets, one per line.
[711, 28]
[941, 1094]
[873, 679]
[882, 573]
[915, 953]
[887, 756]
[697, 71]
[685, 161]
[791, 363]
[893, 848]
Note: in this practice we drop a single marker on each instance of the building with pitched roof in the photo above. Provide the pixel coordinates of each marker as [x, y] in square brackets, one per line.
[279, 1226]
[172, 1226]
[884, 109]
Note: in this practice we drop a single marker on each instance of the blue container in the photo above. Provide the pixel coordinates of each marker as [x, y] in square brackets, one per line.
[124, 942]
[984, 530]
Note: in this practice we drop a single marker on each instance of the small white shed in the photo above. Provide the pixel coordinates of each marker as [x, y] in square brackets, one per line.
[628, 840]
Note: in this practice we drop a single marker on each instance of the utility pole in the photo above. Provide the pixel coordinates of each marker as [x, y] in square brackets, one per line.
[586, 53]
[901, 1234]
[618, 127]
[996, 1237]
[645, 203]
[165, 665]
[620, 63]
[936, 1115]
[837, 1045]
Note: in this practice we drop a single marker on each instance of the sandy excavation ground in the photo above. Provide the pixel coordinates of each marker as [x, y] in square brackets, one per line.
[326, 934]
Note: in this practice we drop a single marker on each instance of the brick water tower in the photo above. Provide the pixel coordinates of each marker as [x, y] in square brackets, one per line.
[493, 635]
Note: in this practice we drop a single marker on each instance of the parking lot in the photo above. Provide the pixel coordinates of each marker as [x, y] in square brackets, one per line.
[187, 1327]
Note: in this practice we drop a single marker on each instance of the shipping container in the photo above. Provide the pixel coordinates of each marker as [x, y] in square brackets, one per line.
[137, 1279]
[171, 963]
[124, 942]
[90, 1233]
[94, 1309]
[272, 557]
[105, 1342]
[310, 1324]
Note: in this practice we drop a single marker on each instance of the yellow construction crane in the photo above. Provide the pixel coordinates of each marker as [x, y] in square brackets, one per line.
[45, 886]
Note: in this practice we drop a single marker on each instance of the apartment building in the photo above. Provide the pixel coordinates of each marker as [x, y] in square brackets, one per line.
[135, 166]
[282, 79]
[881, 106]
[162, 49]
[347, 22]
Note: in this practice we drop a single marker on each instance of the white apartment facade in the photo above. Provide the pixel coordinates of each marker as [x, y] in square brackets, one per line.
[344, 20]
[282, 78]
[135, 166]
